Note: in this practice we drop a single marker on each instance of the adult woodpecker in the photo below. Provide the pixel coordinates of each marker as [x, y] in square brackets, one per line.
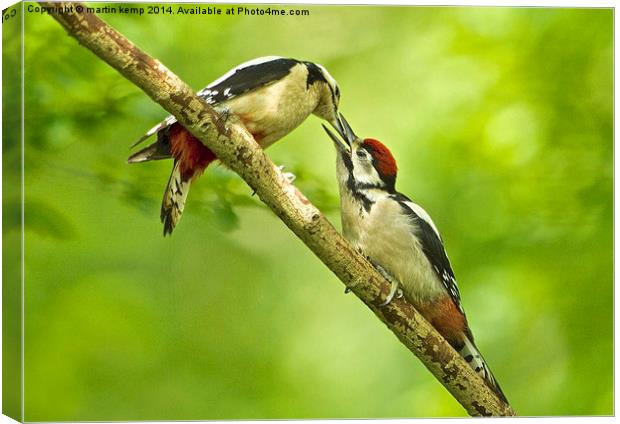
[270, 95]
[401, 241]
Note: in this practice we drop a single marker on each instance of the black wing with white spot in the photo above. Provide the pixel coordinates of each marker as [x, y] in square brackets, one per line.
[432, 246]
[247, 77]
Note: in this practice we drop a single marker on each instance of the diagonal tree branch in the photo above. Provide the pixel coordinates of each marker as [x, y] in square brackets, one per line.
[236, 148]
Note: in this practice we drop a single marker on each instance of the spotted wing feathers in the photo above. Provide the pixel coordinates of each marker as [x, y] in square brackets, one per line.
[174, 199]
[246, 77]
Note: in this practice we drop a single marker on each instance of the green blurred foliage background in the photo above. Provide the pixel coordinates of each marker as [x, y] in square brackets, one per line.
[501, 122]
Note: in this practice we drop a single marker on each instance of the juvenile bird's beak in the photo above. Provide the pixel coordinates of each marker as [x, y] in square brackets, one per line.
[345, 132]
[340, 146]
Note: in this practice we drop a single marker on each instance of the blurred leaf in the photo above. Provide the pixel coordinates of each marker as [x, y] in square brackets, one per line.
[225, 216]
[44, 219]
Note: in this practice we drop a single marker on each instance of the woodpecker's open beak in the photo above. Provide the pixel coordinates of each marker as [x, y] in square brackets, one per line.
[340, 146]
[336, 124]
[345, 132]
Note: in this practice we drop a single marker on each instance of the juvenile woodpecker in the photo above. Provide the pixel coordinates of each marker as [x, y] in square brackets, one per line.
[270, 95]
[401, 241]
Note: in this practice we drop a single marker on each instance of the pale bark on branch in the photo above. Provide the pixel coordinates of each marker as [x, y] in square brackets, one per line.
[236, 148]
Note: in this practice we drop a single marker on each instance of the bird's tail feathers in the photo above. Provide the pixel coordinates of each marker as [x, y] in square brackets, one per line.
[174, 199]
[474, 358]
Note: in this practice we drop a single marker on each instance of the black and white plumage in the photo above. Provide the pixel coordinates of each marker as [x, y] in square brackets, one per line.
[432, 245]
[260, 73]
[402, 241]
[271, 96]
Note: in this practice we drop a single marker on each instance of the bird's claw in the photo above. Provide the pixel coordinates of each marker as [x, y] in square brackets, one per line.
[289, 176]
[223, 116]
[399, 293]
[395, 290]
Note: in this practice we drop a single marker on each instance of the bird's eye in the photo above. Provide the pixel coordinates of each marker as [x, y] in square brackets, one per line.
[337, 92]
[361, 154]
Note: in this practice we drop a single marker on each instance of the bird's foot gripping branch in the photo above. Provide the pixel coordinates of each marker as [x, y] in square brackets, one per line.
[236, 148]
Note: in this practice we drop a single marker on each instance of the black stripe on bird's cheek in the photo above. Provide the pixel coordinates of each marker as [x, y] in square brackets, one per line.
[348, 163]
[358, 195]
[355, 188]
[366, 203]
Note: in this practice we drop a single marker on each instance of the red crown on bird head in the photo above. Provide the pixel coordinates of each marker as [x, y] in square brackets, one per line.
[383, 160]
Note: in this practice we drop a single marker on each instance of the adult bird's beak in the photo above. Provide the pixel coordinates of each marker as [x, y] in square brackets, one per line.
[336, 124]
[345, 132]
